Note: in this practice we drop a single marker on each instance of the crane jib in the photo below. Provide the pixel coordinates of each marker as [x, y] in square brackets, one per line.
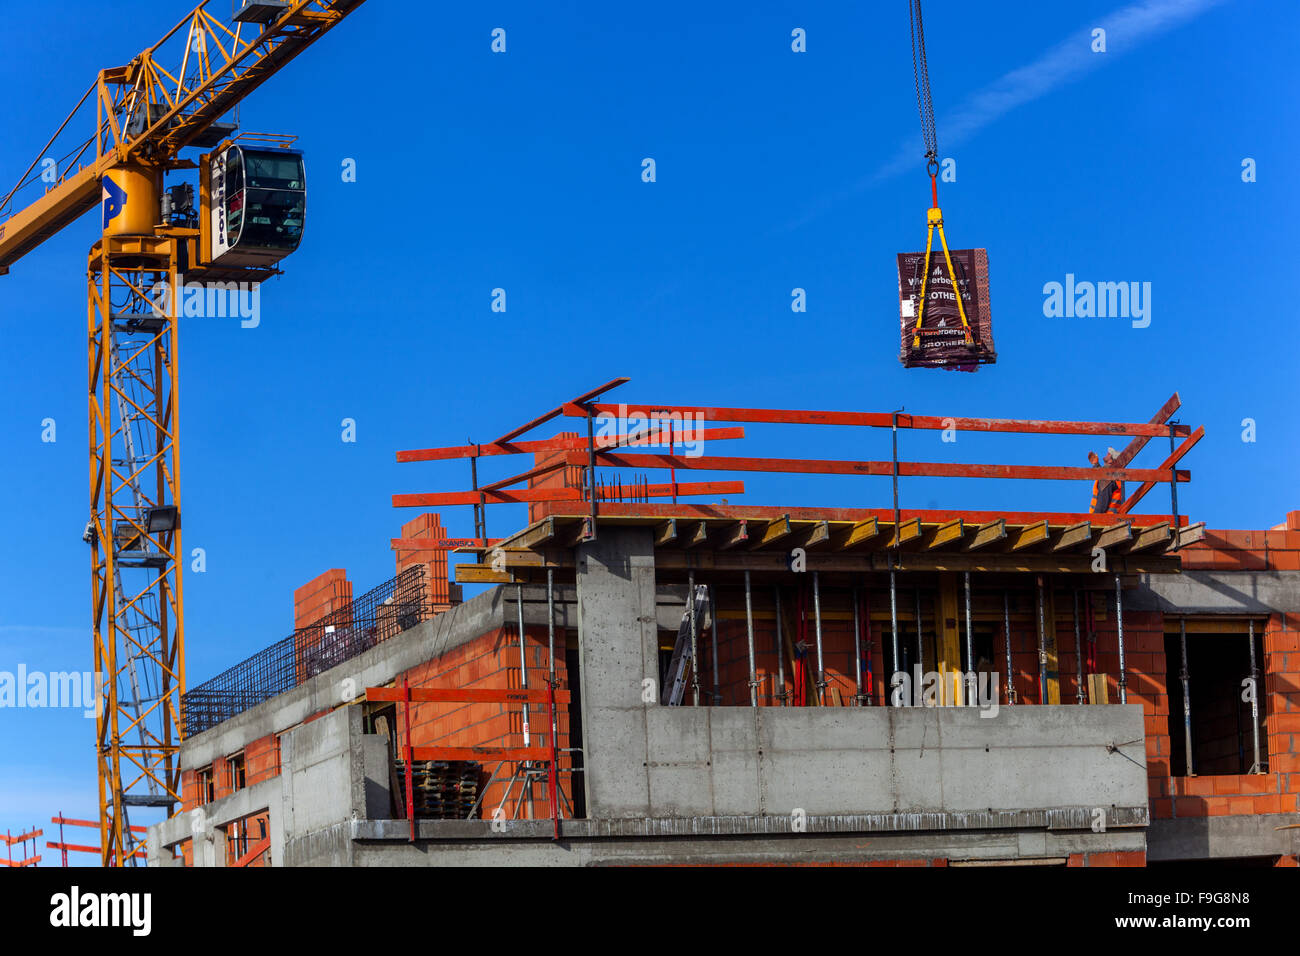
[230, 72]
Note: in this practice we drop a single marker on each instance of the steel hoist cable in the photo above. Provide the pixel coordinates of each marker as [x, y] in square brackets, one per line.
[924, 105]
[934, 217]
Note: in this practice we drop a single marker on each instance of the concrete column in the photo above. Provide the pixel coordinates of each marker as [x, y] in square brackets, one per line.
[618, 651]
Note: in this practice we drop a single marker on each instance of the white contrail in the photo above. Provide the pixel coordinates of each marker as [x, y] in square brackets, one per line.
[1125, 29]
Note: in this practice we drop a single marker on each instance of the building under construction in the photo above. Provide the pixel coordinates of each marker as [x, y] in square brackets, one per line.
[652, 681]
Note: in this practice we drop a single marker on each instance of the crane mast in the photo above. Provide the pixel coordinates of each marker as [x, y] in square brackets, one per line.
[173, 95]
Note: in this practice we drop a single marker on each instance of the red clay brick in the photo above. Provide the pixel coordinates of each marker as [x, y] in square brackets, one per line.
[1284, 560]
[1271, 803]
[1241, 806]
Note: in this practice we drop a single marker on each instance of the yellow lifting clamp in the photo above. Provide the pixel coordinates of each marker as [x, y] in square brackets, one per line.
[934, 217]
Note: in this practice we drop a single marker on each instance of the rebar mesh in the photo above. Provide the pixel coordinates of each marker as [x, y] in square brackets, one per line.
[380, 613]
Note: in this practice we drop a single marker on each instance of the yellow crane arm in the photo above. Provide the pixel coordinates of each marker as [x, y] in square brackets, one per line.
[31, 226]
[148, 112]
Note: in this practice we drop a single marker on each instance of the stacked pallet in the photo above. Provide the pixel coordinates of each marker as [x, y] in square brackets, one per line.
[441, 789]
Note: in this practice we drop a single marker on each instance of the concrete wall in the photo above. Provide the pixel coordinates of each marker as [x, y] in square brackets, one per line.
[950, 765]
[947, 762]
[1200, 838]
[1217, 592]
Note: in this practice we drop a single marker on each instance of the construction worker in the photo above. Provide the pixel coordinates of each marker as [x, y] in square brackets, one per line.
[1106, 496]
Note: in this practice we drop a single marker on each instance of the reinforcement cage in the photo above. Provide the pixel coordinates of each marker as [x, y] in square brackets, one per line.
[380, 613]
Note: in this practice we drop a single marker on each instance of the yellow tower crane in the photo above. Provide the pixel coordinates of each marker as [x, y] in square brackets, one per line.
[249, 214]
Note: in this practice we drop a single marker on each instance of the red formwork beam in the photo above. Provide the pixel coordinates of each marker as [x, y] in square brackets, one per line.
[254, 851]
[524, 495]
[65, 847]
[66, 821]
[407, 695]
[569, 444]
[537, 472]
[778, 416]
[1160, 418]
[591, 452]
[642, 509]
[906, 469]
[139, 851]
[441, 544]
[22, 840]
[557, 412]
[1162, 473]
[78, 847]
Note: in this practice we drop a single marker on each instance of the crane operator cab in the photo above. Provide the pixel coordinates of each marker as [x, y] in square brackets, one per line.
[257, 201]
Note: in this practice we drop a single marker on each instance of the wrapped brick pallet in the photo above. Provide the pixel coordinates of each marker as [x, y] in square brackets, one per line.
[943, 341]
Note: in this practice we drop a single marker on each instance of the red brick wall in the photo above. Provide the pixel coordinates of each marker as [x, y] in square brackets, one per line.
[1277, 791]
[491, 661]
[220, 779]
[262, 759]
[318, 598]
[324, 594]
[189, 790]
[435, 562]
[1277, 550]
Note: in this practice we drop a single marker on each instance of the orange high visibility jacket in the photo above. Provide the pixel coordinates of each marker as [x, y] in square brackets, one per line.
[1107, 497]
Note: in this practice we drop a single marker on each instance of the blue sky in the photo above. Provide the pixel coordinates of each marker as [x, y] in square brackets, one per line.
[775, 170]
